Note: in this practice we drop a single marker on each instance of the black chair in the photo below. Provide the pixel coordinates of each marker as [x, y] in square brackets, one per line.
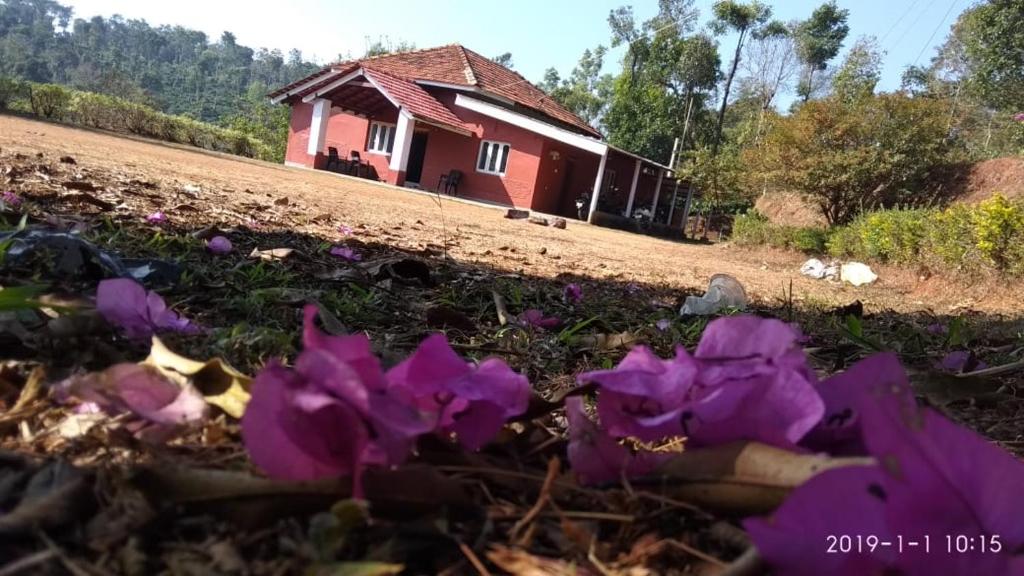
[450, 181]
[355, 163]
[332, 158]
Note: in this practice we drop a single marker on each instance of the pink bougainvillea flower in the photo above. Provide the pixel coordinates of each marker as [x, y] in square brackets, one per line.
[346, 253]
[748, 380]
[1019, 117]
[838, 432]
[12, 199]
[536, 319]
[157, 217]
[219, 245]
[934, 479]
[960, 361]
[754, 384]
[471, 401]
[597, 457]
[344, 230]
[124, 303]
[572, 293]
[663, 325]
[644, 396]
[329, 416]
[141, 390]
[937, 329]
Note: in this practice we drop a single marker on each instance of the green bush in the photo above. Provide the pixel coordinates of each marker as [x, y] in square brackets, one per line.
[949, 241]
[10, 90]
[117, 115]
[49, 100]
[892, 235]
[753, 229]
[750, 229]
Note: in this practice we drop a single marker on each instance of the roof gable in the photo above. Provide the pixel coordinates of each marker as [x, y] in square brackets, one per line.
[458, 67]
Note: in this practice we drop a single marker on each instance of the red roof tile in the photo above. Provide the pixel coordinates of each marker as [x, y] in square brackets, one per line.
[415, 99]
[456, 65]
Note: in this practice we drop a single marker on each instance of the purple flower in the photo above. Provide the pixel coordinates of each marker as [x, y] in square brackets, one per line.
[473, 402]
[748, 380]
[346, 253]
[632, 288]
[141, 390]
[219, 245]
[663, 325]
[124, 303]
[12, 199]
[344, 230]
[1019, 117]
[595, 456]
[937, 329]
[572, 293]
[838, 432]
[157, 217]
[644, 396]
[934, 479]
[330, 415]
[536, 319]
[960, 361]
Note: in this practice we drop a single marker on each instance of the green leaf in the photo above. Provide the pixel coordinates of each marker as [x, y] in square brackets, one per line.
[568, 333]
[19, 298]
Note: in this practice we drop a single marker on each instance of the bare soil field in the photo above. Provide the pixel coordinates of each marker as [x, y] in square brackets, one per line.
[234, 188]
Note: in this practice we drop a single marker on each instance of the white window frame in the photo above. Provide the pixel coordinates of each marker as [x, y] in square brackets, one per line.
[491, 146]
[388, 136]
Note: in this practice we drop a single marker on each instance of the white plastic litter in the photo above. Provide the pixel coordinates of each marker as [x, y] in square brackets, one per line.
[857, 274]
[724, 291]
[818, 270]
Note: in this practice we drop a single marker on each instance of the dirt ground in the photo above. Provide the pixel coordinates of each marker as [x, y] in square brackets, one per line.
[480, 234]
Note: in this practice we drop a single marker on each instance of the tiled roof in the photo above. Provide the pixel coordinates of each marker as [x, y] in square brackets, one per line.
[456, 65]
[415, 99]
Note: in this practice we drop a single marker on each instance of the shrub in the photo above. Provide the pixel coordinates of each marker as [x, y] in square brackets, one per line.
[998, 228]
[10, 89]
[49, 100]
[750, 229]
[892, 235]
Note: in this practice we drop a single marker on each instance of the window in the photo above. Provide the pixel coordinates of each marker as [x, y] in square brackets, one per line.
[493, 157]
[382, 138]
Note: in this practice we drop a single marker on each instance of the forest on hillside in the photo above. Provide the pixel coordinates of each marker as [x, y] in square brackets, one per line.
[170, 68]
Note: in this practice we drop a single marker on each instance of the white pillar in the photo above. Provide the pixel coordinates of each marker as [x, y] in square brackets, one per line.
[672, 206]
[318, 125]
[403, 141]
[657, 192]
[686, 207]
[632, 190]
[597, 186]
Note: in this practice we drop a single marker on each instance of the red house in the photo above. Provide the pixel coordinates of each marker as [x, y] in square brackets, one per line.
[415, 116]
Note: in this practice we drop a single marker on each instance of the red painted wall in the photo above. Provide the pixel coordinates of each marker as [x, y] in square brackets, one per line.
[533, 178]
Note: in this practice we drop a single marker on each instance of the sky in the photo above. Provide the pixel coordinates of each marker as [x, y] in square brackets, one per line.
[539, 33]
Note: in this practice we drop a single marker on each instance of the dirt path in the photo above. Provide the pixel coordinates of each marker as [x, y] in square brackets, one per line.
[481, 234]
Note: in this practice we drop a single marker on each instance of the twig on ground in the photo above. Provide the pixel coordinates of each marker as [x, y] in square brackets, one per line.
[474, 560]
[554, 465]
[994, 370]
[22, 564]
[499, 304]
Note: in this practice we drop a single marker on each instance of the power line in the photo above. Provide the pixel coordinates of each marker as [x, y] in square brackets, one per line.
[898, 20]
[934, 32]
[913, 24]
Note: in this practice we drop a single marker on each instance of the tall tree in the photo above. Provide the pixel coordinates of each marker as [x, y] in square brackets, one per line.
[585, 91]
[745, 19]
[769, 64]
[818, 40]
[993, 43]
[504, 59]
[860, 71]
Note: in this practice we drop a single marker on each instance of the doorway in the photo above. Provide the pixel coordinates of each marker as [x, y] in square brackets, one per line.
[417, 151]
